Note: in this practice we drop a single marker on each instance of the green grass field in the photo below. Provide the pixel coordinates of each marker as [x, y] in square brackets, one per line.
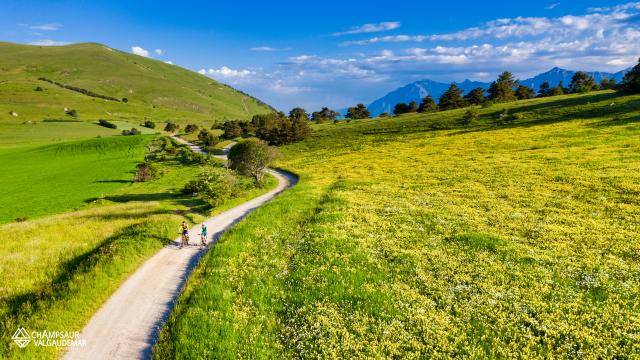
[153, 89]
[47, 179]
[415, 237]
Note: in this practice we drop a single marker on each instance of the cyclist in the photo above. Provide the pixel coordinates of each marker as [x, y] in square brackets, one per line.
[185, 234]
[203, 235]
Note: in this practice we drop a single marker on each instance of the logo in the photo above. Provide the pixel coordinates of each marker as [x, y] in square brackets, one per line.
[57, 339]
[21, 338]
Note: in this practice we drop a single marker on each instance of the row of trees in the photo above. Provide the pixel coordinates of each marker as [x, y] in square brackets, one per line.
[506, 88]
[275, 128]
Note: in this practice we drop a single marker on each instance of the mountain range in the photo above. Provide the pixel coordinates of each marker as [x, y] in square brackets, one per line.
[419, 89]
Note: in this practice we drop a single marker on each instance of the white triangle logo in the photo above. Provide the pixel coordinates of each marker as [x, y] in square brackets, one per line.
[21, 337]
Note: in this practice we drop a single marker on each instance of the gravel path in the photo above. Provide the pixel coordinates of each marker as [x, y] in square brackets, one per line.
[127, 325]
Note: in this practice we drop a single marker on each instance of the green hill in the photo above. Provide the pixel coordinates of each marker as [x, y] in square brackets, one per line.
[515, 236]
[39, 82]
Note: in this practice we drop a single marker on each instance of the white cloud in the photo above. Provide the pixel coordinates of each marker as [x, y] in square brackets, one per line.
[370, 28]
[552, 6]
[158, 51]
[268, 49]
[45, 27]
[49, 43]
[569, 26]
[169, 62]
[140, 51]
[617, 8]
[227, 73]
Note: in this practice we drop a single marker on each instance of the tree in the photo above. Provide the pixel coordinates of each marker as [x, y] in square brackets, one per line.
[278, 129]
[581, 82]
[545, 89]
[452, 98]
[231, 129]
[524, 92]
[558, 89]
[208, 138]
[171, 127]
[631, 80]
[298, 114]
[149, 124]
[608, 84]
[300, 128]
[191, 128]
[501, 90]
[402, 108]
[427, 105]
[325, 114]
[358, 112]
[475, 96]
[251, 157]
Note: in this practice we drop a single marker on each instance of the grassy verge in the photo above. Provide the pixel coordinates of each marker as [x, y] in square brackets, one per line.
[65, 298]
[416, 237]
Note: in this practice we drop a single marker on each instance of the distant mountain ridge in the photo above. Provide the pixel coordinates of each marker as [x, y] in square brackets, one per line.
[419, 89]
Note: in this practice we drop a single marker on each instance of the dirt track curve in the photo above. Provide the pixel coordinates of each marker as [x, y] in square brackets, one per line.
[127, 325]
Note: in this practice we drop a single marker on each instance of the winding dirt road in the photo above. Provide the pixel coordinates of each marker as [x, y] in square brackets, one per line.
[127, 325]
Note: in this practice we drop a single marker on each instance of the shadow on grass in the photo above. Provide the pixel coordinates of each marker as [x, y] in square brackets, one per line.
[114, 181]
[617, 121]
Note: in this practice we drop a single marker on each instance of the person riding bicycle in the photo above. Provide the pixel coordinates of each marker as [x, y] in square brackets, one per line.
[185, 233]
[203, 235]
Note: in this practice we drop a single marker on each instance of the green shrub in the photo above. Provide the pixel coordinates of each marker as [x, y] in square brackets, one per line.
[133, 131]
[469, 116]
[191, 128]
[149, 124]
[171, 127]
[215, 185]
[208, 138]
[146, 172]
[107, 124]
[188, 157]
[488, 104]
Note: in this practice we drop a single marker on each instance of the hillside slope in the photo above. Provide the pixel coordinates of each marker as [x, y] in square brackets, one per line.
[152, 88]
[416, 237]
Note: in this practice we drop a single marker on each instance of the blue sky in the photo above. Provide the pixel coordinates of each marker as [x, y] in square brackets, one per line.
[338, 53]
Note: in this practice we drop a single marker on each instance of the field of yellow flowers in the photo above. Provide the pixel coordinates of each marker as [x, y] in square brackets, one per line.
[416, 237]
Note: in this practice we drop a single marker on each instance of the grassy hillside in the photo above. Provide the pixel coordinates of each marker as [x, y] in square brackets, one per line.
[153, 89]
[415, 237]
